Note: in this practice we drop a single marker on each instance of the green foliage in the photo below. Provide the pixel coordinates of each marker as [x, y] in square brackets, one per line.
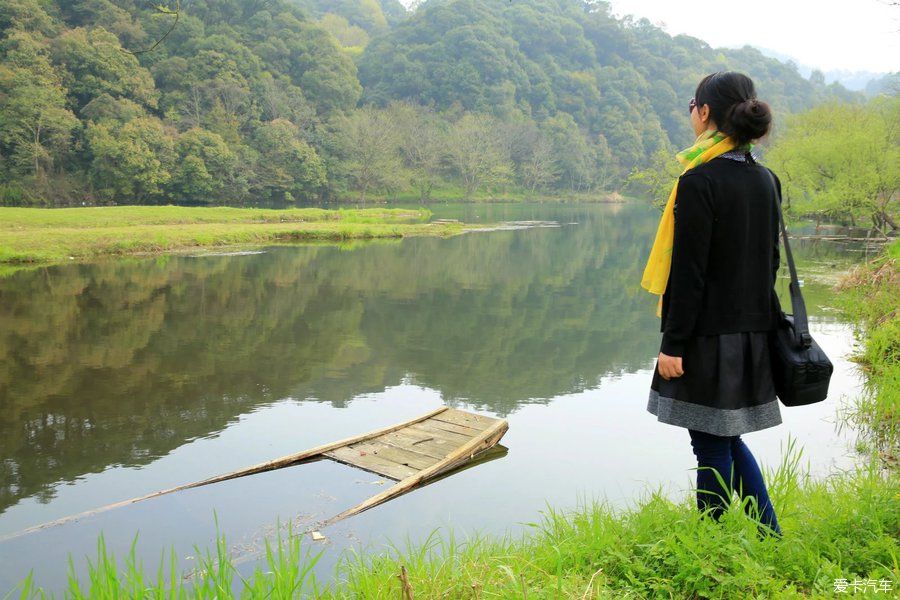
[345, 33]
[370, 147]
[868, 294]
[25, 15]
[624, 80]
[370, 16]
[35, 124]
[92, 62]
[206, 169]
[579, 98]
[656, 182]
[132, 160]
[288, 166]
[842, 162]
[475, 154]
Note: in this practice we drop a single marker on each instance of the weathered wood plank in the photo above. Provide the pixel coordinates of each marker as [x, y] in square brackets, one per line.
[454, 438]
[461, 429]
[459, 417]
[427, 444]
[395, 454]
[371, 462]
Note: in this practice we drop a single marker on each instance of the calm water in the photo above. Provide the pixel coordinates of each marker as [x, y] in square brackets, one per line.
[121, 378]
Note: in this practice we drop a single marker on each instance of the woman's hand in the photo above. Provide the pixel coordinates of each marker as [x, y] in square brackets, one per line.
[669, 366]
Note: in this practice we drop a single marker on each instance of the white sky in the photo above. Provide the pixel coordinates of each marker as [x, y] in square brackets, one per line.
[854, 35]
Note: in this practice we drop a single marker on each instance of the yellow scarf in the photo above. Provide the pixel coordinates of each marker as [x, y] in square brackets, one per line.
[708, 145]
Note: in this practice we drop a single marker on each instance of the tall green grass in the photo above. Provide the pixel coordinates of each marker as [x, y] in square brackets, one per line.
[846, 526]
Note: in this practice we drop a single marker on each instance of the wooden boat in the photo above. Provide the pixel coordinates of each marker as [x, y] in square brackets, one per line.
[411, 453]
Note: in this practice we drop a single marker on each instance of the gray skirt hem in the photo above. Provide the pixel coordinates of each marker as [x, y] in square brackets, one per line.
[717, 421]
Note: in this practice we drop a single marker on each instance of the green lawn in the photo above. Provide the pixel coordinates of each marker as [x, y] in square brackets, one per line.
[35, 235]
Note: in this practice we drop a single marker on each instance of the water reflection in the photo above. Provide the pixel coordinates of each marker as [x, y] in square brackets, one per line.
[121, 362]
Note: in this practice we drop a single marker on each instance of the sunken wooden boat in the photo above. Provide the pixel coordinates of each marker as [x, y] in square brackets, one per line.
[412, 453]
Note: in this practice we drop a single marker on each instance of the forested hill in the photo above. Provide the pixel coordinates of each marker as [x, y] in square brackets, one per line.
[626, 80]
[249, 100]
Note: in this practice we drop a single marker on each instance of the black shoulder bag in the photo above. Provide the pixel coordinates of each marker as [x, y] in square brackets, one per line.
[800, 369]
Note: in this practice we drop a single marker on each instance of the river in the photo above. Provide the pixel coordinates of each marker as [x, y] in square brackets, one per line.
[127, 376]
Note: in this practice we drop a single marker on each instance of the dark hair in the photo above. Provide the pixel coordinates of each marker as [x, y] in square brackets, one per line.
[733, 106]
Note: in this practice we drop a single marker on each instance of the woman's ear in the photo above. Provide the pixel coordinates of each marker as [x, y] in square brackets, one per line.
[703, 113]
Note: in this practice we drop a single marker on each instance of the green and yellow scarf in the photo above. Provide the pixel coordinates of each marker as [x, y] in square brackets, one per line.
[708, 145]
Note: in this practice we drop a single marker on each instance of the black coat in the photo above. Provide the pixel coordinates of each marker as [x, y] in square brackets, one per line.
[725, 256]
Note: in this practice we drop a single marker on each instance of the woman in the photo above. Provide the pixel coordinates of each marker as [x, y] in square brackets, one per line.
[714, 261]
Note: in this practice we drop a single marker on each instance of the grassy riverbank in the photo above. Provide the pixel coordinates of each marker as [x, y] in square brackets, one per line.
[842, 528]
[34, 235]
[457, 194]
[869, 295]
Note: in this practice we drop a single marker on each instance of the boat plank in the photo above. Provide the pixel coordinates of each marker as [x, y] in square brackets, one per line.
[371, 462]
[395, 454]
[459, 417]
[466, 452]
[452, 427]
[427, 445]
[454, 438]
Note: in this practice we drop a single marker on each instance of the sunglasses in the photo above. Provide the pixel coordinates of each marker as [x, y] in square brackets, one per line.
[692, 105]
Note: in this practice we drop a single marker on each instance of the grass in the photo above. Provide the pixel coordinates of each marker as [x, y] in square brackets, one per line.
[845, 527]
[455, 193]
[842, 527]
[40, 236]
[869, 295]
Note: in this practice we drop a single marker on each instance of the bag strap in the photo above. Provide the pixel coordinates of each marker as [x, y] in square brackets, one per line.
[801, 320]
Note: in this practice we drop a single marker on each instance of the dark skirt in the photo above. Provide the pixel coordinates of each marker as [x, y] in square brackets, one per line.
[726, 388]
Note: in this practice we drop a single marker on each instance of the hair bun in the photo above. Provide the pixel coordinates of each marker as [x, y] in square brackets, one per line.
[751, 119]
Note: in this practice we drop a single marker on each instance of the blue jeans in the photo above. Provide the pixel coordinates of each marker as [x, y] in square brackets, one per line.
[732, 459]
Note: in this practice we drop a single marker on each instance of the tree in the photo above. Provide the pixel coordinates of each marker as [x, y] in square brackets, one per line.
[131, 161]
[35, 125]
[421, 141]
[370, 147]
[345, 33]
[475, 154]
[25, 15]
[656, 181]
[575, 155]
[288, 166]
[206, 170]
[93, 62]
[540, 169]
[842, 161]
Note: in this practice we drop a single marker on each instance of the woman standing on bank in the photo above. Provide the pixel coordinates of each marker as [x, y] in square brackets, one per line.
[714, 262]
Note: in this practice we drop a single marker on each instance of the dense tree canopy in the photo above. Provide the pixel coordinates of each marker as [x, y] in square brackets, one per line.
[842, 162]
[297, 100]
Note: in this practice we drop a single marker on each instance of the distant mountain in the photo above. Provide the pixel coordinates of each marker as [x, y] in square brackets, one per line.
[852, 80]
[887, 84]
